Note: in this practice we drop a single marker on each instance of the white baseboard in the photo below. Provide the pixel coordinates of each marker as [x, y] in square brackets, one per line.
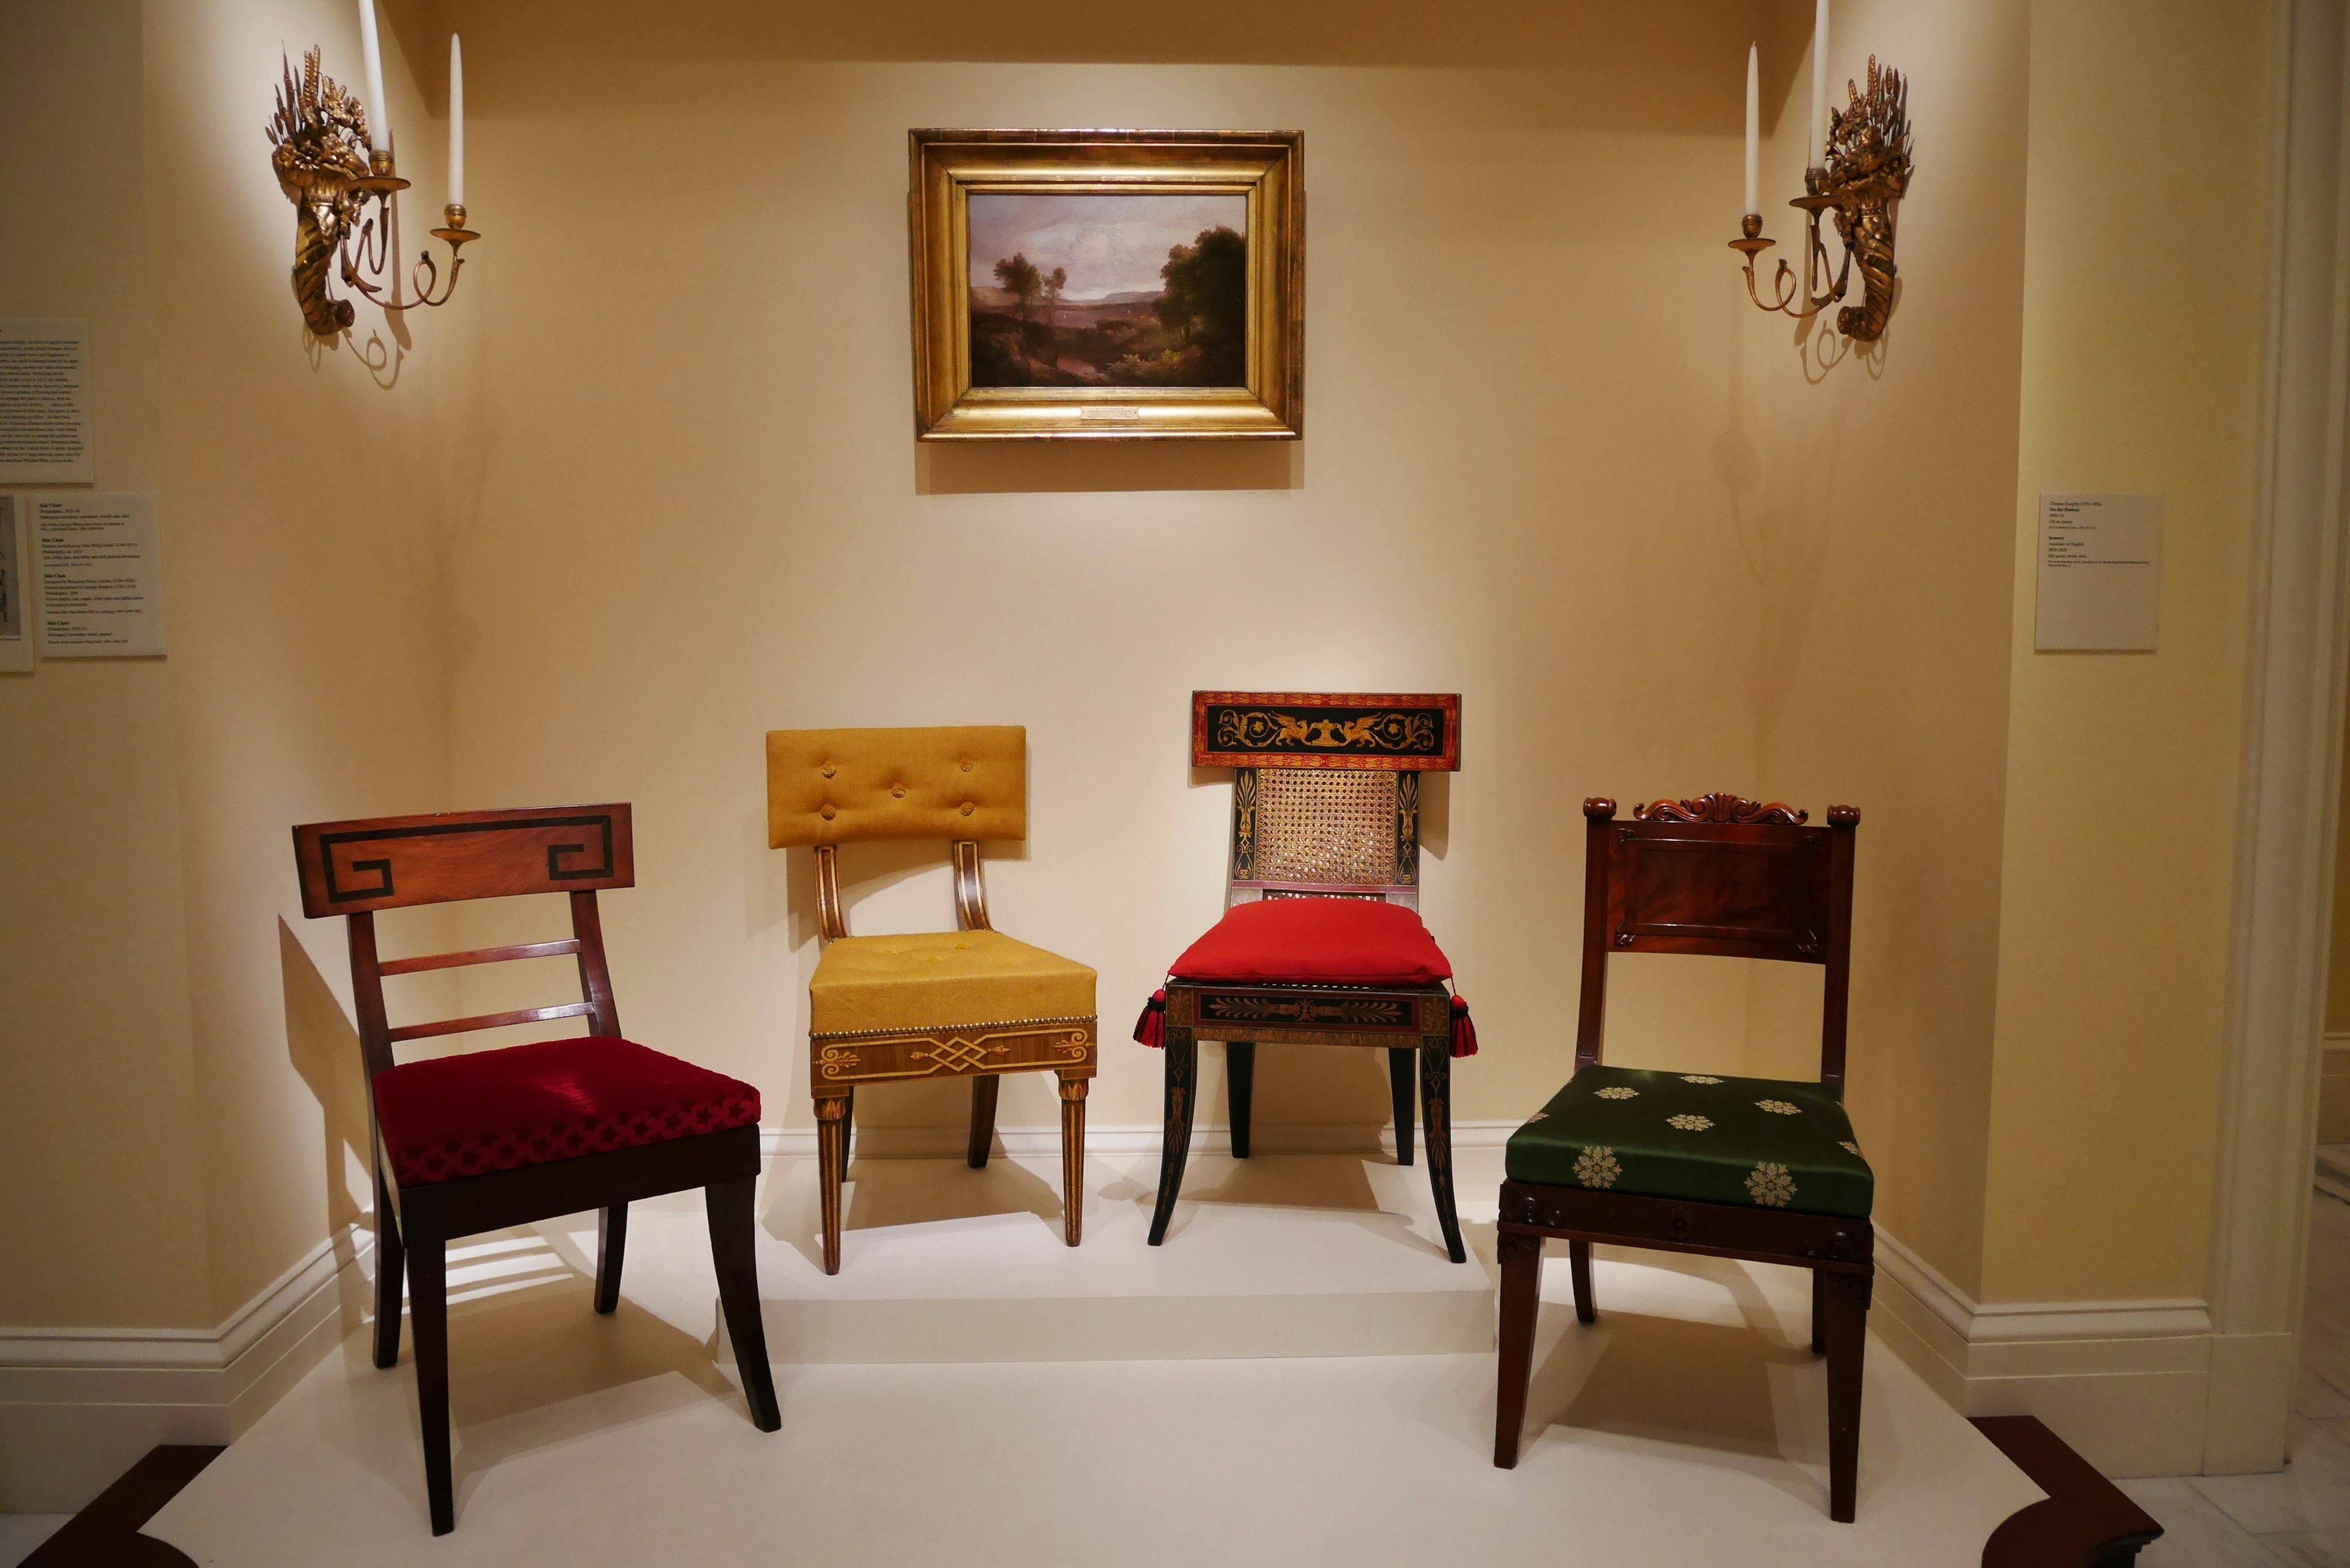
[80, 1406]
[1138, 1138]
[2127, 1384]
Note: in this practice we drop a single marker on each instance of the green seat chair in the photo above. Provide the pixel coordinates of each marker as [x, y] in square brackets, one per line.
[1759, 1169]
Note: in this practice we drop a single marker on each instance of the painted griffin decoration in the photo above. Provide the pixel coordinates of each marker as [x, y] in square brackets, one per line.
[1868, 170]
[320, 135]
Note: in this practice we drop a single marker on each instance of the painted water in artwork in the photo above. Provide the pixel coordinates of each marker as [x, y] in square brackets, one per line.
[1140, 290]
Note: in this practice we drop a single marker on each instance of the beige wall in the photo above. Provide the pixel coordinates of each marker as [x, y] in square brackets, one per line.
[2121, 792]
[701, 515]
[104, 1223]
[649, 490]
[1882, 538]
[309, 623]
[177, 1093]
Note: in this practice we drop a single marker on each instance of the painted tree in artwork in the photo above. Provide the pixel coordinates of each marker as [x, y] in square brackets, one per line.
[1055, 282]
[1206, 300]
[1021, 280]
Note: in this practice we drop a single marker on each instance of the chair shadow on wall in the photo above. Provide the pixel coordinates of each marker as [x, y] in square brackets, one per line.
[531, 1365]
[1698, 1386]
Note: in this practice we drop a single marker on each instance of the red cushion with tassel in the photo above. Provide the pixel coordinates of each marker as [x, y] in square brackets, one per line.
[1318, 941]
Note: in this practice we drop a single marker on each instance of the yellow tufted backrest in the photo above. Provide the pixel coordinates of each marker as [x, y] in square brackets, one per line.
[849, 786]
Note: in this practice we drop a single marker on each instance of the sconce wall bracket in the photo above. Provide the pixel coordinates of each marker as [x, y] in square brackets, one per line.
[1860, 186]
[319, 151]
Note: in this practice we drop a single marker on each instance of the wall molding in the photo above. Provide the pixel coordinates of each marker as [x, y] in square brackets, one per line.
[80, 1406]
[2124, 1382]
[214, 1349]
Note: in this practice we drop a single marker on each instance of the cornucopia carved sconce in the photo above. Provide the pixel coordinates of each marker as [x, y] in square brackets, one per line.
[331, 167]
[1858, 180]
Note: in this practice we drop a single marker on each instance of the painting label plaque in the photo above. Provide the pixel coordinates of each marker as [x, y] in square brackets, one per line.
[101, 576]
[2100, 574]
[44, 411]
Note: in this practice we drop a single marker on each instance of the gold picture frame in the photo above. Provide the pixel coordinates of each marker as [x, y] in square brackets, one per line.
[1119, 364]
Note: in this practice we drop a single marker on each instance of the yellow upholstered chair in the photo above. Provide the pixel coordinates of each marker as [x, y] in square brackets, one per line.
[968, 1004]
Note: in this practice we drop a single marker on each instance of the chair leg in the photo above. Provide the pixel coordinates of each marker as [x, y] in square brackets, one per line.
[984, 1090]
[1848, 1325]
[729, 1207]
[611, 1245]
[428, 1314]
[1436, 1119]
[1073, 1156]
[1401, 1069]
[1578, 1265]
[1182, 1064]
[1521, 1258]
[1819, 1312]
[831, 1164]
[391, 1273]
[1240, 1090]
[848, 1127]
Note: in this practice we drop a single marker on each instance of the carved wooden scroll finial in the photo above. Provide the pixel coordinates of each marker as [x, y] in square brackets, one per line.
[1722, 809]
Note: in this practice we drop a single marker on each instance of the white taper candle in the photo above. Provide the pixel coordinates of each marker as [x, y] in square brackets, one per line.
[1819, 125]
[379, 113]
[456, 123]
[1754, 128]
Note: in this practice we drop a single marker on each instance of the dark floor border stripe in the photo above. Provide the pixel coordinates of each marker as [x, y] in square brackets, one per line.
[106, 1533]
[2085, 1521]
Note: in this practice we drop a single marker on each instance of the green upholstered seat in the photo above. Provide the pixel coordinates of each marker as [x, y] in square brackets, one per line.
[1766, 1143]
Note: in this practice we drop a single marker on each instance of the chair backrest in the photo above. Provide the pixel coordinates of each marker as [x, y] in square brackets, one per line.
[1721, 874]
[354, 869]
[1325, 788]
[964, 784]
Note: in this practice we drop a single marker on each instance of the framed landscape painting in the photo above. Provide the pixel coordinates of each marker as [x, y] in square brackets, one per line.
[1121, 284]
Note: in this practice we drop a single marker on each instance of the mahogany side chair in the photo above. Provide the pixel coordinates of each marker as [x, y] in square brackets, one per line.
[969, 1004]
[1321, 942]
[1759, 1168]
[492, 1138]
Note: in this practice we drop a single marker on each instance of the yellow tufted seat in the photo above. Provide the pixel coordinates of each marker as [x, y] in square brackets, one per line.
[942, 980]
[969, 1004]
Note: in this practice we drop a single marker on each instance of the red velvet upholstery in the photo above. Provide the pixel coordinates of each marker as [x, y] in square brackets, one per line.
[1318, 941]
[552, 1099]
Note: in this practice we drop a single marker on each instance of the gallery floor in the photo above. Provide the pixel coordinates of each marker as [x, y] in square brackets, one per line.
[1296, 1377]
[1191, 1424]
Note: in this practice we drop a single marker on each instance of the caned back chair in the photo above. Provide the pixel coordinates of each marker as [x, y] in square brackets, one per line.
[1321, 940]
[972, 1002]
[1759, 1169]
[505, 1137]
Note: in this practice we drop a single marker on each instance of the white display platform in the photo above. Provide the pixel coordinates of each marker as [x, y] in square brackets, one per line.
[1687, 1427]
[1276, 1255]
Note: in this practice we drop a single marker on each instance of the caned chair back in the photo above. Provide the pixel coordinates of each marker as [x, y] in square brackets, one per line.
[357, 867]
[1724, 875]
[1325, 787]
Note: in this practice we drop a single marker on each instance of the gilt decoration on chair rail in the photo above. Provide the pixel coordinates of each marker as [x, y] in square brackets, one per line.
[1390, 733]
[1108, 285]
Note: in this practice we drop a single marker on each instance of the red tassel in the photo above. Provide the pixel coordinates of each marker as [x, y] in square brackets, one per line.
[1150, 1029]
[1464, 1033]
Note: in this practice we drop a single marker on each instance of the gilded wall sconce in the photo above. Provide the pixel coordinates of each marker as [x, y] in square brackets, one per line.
[326, 161]
[1859, 182]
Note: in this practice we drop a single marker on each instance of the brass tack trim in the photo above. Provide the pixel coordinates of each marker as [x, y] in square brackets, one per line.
[924, 1031]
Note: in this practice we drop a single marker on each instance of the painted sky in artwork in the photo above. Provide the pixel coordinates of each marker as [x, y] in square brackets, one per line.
[1111, 244]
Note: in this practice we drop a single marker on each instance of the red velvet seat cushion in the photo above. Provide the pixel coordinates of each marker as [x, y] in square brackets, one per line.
[552, 1099]
[1316, 942]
